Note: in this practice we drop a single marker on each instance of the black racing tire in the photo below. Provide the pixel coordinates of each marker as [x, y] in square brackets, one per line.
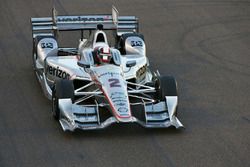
[34, 56]
[166, 86]
[62, 89]
[55, 107]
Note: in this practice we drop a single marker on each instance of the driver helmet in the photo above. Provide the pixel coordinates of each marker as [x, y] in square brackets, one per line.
[104, 55]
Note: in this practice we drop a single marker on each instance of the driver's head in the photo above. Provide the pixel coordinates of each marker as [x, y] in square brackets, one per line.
[104, 55]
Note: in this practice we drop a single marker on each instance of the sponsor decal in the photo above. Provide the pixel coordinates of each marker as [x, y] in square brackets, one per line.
[142, 71]
[121, 104]
[119, 99]
[136, 43]
[79, 19]
[57, 72]
[123, 110]
[47, 45]
[115, 95]
[109, 73]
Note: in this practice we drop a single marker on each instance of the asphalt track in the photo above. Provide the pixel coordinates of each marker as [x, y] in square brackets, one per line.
[204, 43]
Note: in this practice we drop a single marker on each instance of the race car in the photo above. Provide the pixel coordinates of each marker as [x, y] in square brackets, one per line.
[96, 84]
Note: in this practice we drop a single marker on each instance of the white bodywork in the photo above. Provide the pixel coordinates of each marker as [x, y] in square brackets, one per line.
[116, 83]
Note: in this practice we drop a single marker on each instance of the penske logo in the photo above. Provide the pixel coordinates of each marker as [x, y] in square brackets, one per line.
[57, 72]
[79, 19]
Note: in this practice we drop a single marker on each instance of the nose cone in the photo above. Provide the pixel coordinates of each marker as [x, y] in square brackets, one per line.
[114, 88]
[119, 103]
[122, 113]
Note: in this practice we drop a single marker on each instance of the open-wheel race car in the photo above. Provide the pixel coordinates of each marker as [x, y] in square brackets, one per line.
[96, 84]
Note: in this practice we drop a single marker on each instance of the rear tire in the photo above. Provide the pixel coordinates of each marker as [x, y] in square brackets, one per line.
[34, 57]
[63, 89]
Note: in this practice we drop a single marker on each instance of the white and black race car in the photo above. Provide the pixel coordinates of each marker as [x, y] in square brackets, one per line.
[96, 84]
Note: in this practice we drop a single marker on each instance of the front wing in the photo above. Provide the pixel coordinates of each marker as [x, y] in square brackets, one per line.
[86, 117]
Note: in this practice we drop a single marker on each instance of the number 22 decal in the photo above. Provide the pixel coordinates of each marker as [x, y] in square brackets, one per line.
[46, 45]
[114, 82]
[136, 43]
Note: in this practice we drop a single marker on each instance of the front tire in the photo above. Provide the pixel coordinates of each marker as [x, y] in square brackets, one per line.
[166, 86]
[63, 89]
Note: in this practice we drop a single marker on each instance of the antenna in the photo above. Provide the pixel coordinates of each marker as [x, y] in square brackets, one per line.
[115, 15]
[54, 20]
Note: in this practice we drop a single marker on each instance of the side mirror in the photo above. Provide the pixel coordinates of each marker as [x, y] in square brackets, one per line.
[83, 64]
[131, 63]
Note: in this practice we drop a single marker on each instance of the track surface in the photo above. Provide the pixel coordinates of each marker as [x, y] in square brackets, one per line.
[205, 44]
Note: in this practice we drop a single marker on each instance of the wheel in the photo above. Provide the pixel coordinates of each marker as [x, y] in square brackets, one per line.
[34, 54]
[62, 89]
[166, 86]
[55, 107]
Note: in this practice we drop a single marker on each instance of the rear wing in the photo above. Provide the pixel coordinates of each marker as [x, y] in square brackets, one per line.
[51, 25]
